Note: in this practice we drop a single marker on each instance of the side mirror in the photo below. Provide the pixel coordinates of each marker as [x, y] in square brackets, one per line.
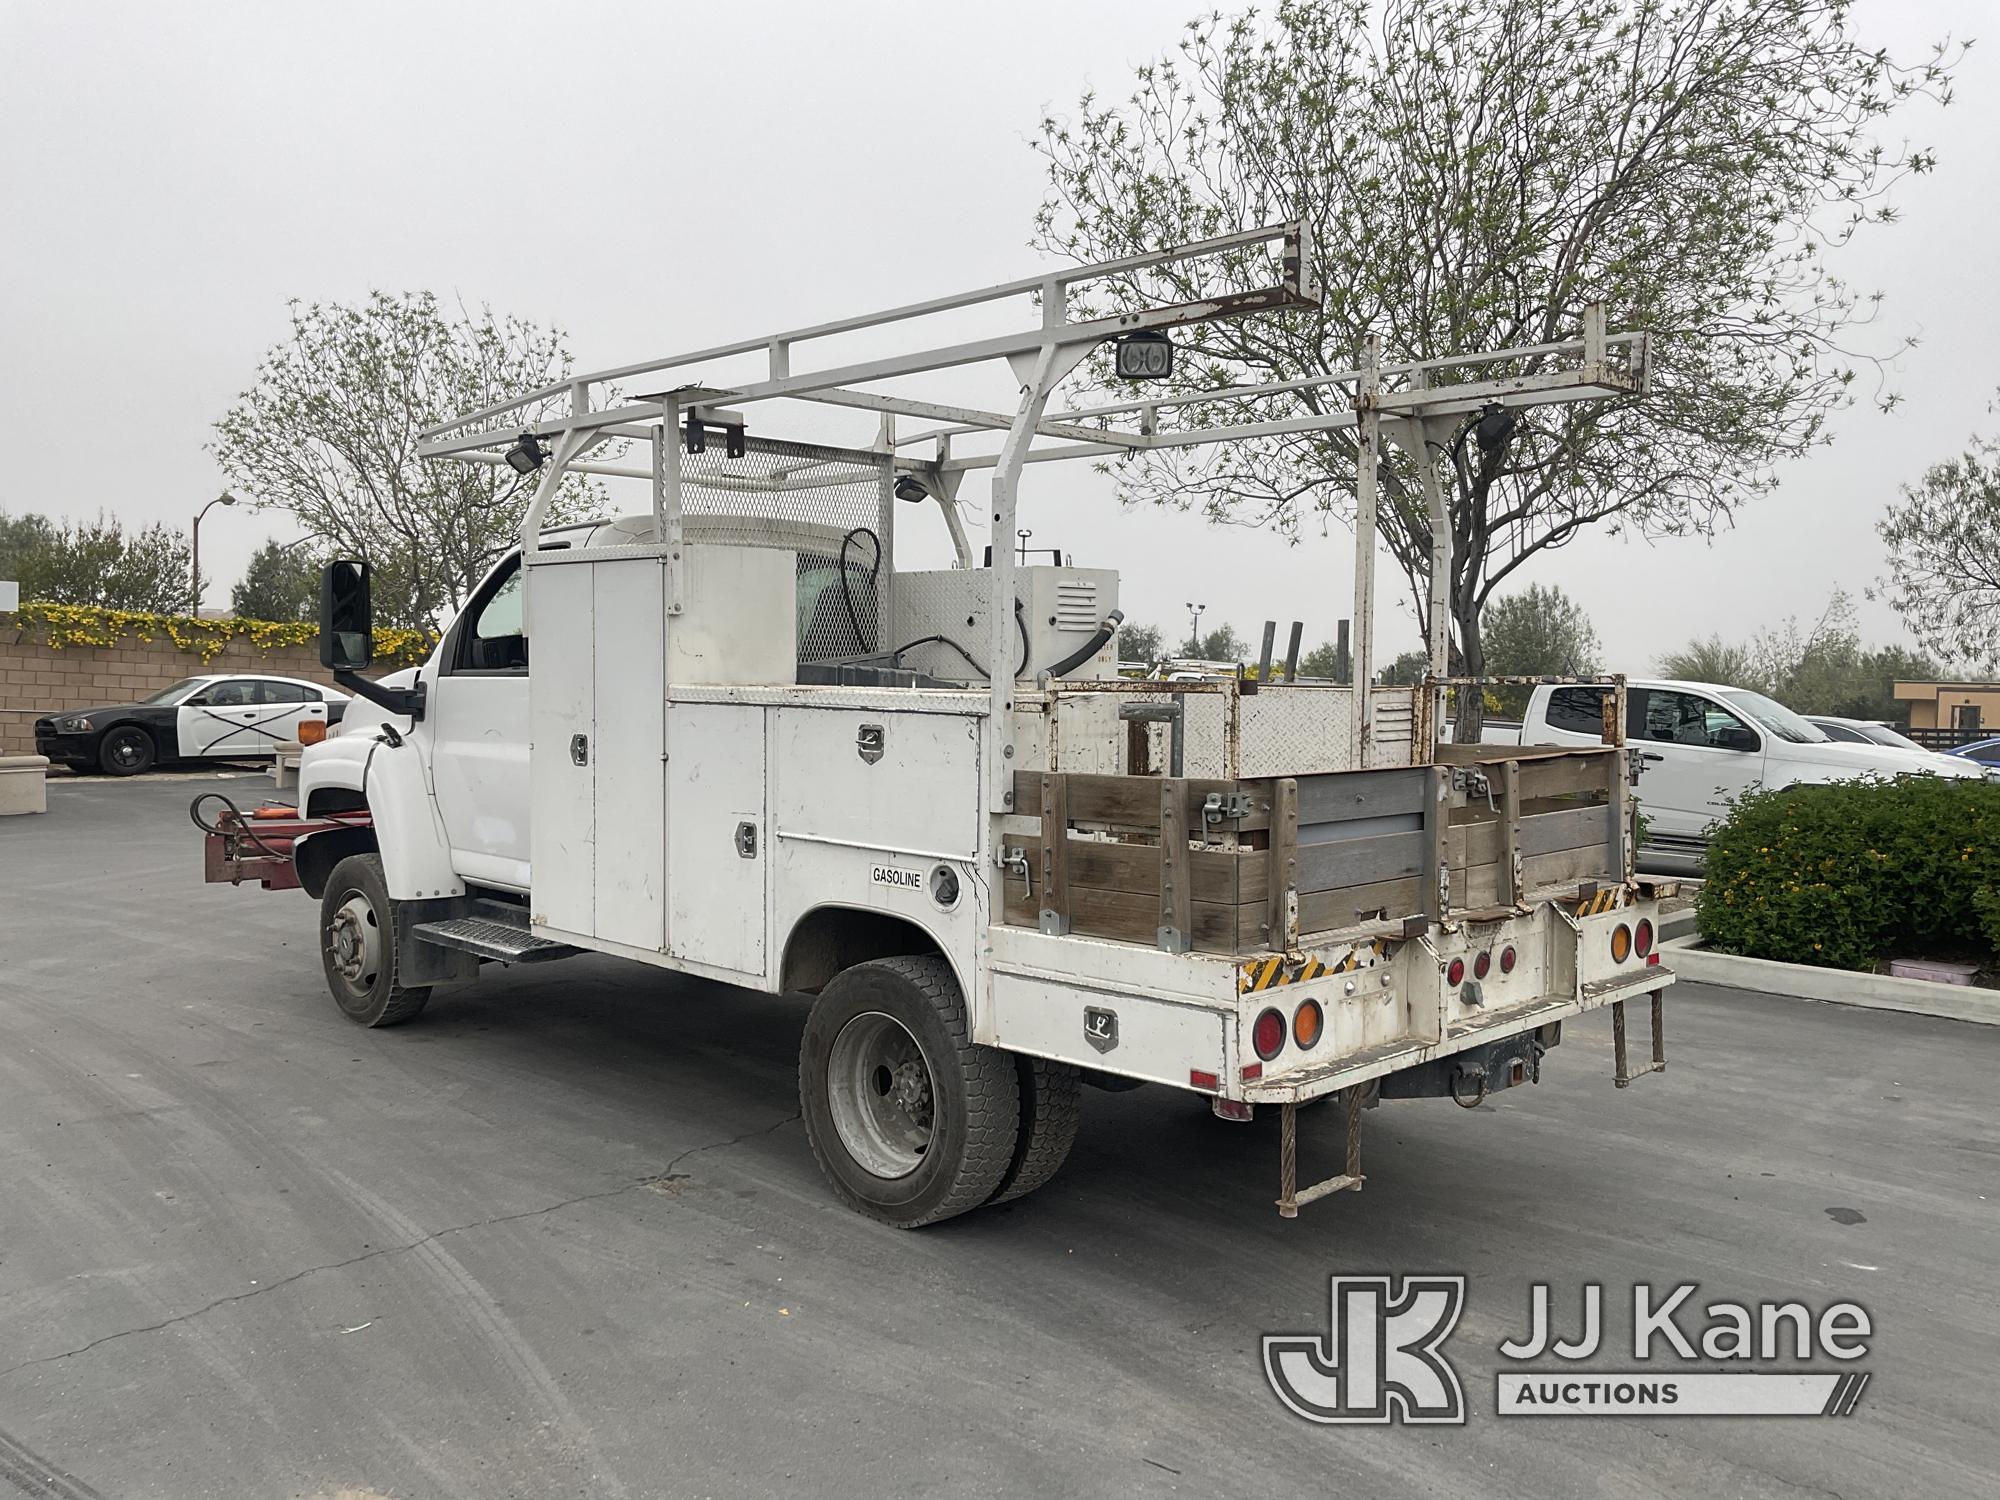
[1735, 737]
[346, 622]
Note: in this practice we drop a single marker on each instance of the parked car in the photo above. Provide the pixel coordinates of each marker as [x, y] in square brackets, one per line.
[216, 717]
[1701, 745]
[1869, 732]
[1981, 752]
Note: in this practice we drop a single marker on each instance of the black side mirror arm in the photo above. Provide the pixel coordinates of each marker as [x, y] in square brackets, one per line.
[398, 700]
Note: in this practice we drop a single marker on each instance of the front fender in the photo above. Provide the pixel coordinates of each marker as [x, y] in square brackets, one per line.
[389, 779]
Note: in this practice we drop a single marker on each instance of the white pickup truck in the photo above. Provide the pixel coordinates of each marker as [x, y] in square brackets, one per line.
[1702, 745]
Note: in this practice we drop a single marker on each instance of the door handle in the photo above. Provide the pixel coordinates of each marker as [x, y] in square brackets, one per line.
[1651, 755]
[579, 749]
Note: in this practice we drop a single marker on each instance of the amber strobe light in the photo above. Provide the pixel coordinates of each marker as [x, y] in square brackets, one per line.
[1307, 1023]
[311, 731]
[1621, 943]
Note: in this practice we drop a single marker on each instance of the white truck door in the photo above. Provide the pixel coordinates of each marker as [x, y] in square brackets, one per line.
[716, 859]
[478, 722]
[1697, 756]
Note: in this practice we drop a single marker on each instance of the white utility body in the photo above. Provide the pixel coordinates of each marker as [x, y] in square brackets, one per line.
[745, 745]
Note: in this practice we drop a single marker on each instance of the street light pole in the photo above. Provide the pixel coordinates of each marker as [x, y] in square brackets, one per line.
[1194, 628]
[194, 549]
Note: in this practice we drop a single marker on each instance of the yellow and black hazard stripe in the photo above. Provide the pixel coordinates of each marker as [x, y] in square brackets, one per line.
[1609, 899]
[1276, 971]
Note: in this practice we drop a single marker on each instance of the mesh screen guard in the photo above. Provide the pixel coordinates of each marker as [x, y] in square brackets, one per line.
[832, 507]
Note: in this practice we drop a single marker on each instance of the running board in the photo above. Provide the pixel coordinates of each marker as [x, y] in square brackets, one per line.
[501, 942]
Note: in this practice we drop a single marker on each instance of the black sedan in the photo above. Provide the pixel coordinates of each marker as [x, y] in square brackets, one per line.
[199, 718]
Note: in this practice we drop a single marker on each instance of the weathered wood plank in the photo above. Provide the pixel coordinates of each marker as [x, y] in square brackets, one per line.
[1475, 843]
[1358, 905]
[1134, 801]
[1566, 867]
[1393, 856]
[1055, 853]
[1125, 917]
[1225, 876]
[1336, 796]
[1573, 775]
[1282, 871]
[1579, 827]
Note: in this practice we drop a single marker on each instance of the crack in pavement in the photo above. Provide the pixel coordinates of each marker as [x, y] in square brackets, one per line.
[404, 1249]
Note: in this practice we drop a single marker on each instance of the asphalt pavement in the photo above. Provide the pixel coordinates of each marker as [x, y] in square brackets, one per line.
[563, 1236]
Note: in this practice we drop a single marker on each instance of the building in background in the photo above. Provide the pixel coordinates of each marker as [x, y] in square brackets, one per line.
[1950, 713]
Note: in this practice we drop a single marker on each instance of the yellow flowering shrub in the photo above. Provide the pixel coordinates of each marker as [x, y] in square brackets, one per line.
[69, 625]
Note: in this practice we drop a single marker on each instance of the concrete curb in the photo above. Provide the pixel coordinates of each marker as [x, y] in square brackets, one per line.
[1921, 997]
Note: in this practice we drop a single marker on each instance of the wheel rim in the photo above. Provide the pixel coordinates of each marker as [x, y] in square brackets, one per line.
[881, 1095]
[126, 752]
[354, 946]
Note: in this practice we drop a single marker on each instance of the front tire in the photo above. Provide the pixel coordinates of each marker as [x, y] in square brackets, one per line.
[126, 751]
[357, 946]
[909, 1119]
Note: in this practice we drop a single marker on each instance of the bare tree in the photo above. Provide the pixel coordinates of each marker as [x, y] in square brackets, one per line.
[1943, 537]
[329, 432]
[1474, 173]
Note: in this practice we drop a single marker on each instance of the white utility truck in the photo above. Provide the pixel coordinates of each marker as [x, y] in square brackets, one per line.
[731, 736]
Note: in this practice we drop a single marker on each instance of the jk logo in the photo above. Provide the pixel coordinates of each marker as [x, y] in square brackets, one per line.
[1382, 1363]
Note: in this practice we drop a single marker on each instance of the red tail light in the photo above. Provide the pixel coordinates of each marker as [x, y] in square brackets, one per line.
[1507, 959]
[1455, 973]
[1267, 1035]
[1642, 938]
[1481, 964]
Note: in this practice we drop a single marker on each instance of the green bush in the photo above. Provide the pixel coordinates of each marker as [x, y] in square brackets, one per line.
[1847, 874]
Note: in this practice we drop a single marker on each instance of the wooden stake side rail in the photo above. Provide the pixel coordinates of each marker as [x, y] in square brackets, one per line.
[1138, 859]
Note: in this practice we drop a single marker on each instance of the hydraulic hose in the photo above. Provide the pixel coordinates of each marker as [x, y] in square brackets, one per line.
[1090, 647]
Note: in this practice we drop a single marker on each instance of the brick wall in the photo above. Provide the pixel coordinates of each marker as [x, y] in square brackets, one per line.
[36, 678]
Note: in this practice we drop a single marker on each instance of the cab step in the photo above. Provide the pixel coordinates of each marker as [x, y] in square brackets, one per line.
[496, 937]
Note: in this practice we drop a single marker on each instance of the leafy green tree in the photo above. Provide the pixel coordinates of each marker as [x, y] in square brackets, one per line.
[1220, 644]
[1139, 643]
[1473, 173]
[1323, 661]
[281, 583]
[1539, 631]
[96, 562]
[1712, 659]
[1406, 670]
[328, 432]
[1943, 537]
[1817, 668]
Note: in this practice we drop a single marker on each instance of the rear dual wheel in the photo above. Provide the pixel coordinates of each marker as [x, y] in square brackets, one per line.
[913, 1122]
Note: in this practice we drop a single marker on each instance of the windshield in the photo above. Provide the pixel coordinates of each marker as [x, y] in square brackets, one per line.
[1775, 717]
[1882, 734]
[177, 692]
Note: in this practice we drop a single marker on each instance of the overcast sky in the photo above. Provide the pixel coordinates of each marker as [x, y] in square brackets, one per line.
[658, 177]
